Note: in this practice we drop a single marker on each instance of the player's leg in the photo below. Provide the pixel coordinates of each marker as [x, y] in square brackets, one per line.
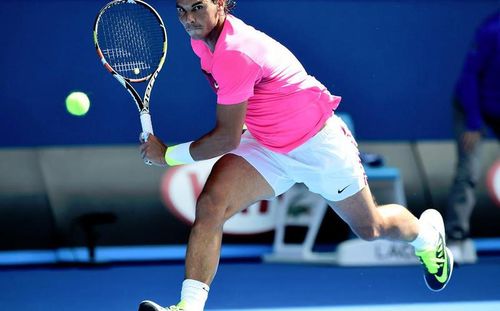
[233, 185]
[371, 222]
[395, 222]
[329, 164]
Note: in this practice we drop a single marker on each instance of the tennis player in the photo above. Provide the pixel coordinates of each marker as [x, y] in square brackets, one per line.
[293, 136]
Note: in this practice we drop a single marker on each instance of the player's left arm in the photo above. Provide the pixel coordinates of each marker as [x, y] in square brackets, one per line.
[226, 134]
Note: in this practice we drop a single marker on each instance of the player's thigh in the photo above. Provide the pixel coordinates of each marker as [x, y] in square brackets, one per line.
[234, 184]
[358, 210]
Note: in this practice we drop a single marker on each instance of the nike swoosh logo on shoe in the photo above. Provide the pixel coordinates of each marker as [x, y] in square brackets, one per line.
[441, 254]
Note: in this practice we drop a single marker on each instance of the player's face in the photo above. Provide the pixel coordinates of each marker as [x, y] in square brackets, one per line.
[200, 17]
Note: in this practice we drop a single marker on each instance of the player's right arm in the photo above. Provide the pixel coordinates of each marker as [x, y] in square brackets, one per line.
[224, 137]
[226, 134]
[236, 77]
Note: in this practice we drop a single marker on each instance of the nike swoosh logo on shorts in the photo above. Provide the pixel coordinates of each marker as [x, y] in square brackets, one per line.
[341, 190]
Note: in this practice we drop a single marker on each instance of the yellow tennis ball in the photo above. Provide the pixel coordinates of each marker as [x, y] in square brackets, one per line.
[136, 71]
[77, 103]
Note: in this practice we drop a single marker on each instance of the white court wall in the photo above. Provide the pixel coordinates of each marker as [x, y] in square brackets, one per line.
[43, 191]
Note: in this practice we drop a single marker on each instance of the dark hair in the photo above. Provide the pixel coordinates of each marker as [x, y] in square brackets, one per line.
[229, 5]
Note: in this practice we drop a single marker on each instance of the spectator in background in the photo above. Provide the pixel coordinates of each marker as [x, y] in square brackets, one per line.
[476, 107]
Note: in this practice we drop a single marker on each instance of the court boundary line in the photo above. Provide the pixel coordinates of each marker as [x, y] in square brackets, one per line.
[493, 305]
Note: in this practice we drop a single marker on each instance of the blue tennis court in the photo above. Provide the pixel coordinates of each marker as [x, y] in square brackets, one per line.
[249, 285]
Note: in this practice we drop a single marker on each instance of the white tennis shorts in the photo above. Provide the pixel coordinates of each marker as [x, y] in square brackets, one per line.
[328, 163]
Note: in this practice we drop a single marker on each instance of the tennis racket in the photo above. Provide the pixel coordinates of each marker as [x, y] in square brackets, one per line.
[131, 41]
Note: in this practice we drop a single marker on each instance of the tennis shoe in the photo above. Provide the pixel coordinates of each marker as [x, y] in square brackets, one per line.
[148, 305]
[437, 261]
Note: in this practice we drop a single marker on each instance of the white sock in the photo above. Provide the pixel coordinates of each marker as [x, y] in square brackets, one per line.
[427, 237]
[194, 294]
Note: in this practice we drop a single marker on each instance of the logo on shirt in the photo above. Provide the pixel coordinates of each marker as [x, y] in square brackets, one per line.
[213, 84]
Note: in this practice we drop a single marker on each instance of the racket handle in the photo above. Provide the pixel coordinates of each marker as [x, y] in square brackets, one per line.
[147, 128]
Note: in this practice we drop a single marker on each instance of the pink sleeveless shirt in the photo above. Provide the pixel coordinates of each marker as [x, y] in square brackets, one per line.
[286, 106]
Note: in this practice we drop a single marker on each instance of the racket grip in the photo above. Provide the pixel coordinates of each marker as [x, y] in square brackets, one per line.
[147, 127]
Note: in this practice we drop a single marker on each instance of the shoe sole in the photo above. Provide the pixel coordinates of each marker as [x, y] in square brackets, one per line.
[148, 305]
[450, 256]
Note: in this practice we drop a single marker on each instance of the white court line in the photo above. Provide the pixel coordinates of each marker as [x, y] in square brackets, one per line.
[441, 306]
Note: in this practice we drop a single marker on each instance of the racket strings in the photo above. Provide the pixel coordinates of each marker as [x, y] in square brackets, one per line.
[131, 39]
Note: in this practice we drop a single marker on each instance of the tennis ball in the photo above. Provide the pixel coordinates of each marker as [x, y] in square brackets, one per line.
[77, 103]
[136, 71]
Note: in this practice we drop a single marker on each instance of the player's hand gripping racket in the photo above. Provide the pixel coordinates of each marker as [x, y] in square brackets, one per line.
[131, 41]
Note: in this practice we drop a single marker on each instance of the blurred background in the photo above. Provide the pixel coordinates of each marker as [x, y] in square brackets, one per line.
[70, 182]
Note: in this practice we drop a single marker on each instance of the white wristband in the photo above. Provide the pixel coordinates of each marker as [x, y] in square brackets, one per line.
[179, 154]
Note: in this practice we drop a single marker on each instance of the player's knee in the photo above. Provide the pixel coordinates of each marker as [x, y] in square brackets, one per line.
[368, 233]
[210, 210]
